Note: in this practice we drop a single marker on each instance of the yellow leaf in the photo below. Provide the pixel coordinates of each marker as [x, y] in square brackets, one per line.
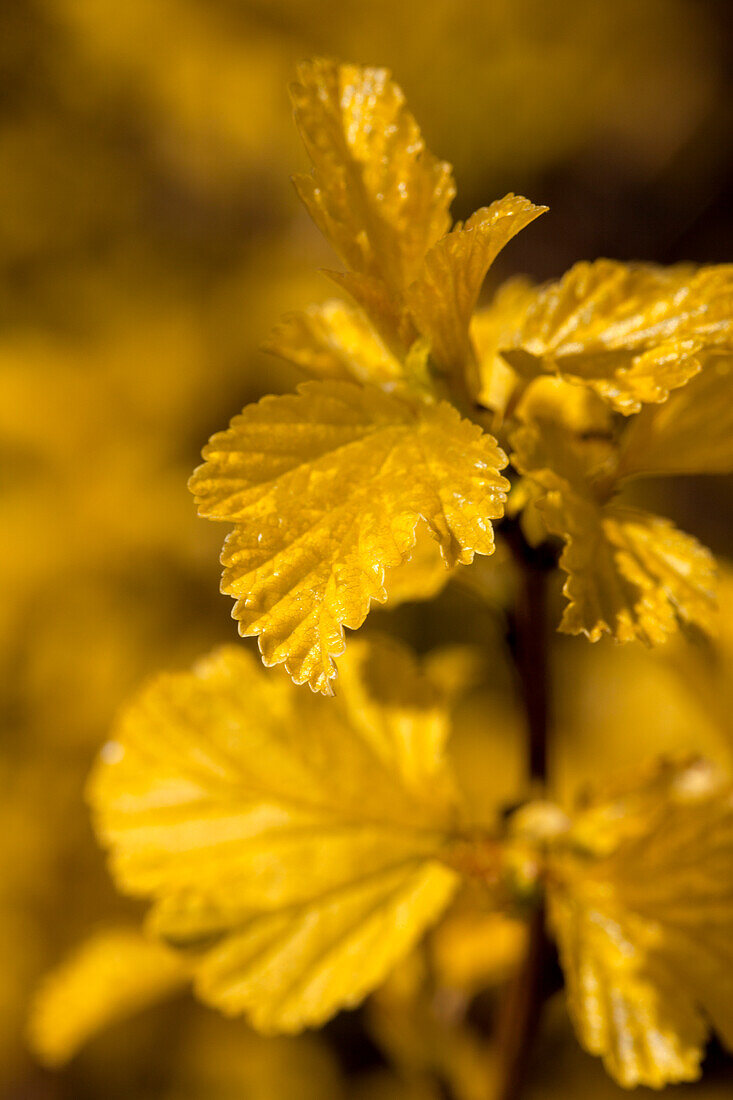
[238, 803]
[421, 576]
[630, 574]
[582, 415]
[576, 1075]
[644, 922]
[474, 949]
[611, 700]
[326, 488]
[385, 310]
[375, 191]
[114, 974]
[445, 293]
[691, 433]
[632, 332]
[496, 327]
[334, 340]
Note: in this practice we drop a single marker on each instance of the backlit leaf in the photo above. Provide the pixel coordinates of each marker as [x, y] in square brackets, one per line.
[114, 974]
[496, 327]
[630, 574]
[326, 489]
[633, 332]
[641, 902]
[422, 576]
[691, 433]
[445, 293]
[385, 310]
[375, 191]
[238, 803]
[334, 340]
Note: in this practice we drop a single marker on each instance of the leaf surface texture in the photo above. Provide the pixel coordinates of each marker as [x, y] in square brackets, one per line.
[238, 804]
[633, 332]
[642, 907]
[325, 489]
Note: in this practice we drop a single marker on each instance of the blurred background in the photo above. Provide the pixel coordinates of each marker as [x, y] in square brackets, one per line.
[149, 238]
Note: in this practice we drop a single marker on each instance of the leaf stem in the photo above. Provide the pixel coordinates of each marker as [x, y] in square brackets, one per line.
[526, 993]
[531, 662]
[521, 1011]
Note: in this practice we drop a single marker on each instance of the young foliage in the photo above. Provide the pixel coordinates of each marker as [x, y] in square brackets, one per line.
[691, 433]
[375, 192]
[241, 806]
[444, 295]
[630, 574]
[335, 340]
[325, 489]
[632, 332]
[294, 847]
[641, 902]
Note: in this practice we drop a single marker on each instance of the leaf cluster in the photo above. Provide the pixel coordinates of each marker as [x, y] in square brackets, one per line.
[296, 847]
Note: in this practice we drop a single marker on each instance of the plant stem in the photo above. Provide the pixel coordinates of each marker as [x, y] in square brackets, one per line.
[521, 1011]
[531, 660]
[523, 1004]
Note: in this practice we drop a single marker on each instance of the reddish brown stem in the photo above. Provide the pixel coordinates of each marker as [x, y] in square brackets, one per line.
[525, 995]
[531, 661]
[521, 1012]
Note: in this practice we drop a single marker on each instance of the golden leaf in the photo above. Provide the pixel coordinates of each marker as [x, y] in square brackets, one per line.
[445, 292]
[474, 949]
[552, 403]
[496, 327]
[630, 574]
[576, 1075]
[334, 340]
[114, 974]
[421, 576]
[375, 192]
[238, 803]
[632, 332]
[691, 433]
[326, 488]
[385, 310]
[641, 902]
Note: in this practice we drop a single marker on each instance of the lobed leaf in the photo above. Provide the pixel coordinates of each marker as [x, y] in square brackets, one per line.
[630, 574]
[325, 489]
[237, 803]
[645, 925]
[375, 191]
[633, 332]
[495, 327]
[383, 307]
[691, 433]
[334, 340]
[446, 290]
[422, 576]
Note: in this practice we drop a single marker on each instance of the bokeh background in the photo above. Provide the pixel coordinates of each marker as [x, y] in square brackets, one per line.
[149, 238]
